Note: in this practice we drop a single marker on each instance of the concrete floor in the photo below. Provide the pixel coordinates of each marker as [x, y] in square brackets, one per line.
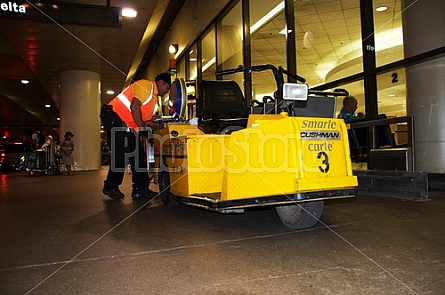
[60, 235]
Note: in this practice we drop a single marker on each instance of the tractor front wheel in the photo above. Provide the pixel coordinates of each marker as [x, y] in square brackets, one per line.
[164, 189]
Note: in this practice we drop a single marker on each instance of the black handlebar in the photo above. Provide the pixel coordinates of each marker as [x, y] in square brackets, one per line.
[240, 68]
[324, 93]
[296, 77]
[276, 71]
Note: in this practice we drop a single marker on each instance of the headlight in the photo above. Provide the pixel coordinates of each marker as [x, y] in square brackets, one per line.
[294, 91]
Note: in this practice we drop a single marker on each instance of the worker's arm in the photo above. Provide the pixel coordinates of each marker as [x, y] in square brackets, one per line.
[137, 116]
[135, 108]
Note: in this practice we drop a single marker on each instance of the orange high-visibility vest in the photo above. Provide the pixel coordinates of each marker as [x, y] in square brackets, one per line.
[121, 103]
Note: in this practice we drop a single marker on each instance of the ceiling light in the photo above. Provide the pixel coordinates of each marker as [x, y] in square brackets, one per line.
[209, 64]
[58, 118]
[24, 81]
[308, 39]
[110, 92]
[265, 19]
[392, 95]
[129, 12]
[283, 31]
[381, 8]
[47, 105]
[173, 48]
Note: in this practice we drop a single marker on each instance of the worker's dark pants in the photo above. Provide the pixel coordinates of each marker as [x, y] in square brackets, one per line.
[126, 148]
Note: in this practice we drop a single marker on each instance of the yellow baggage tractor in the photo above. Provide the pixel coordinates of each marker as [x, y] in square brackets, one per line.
[234, 159]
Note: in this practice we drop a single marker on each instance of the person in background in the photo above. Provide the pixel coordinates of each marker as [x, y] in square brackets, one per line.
[38, 138]
[35, 138]
[67, 148]
[47, 143]
[349, 108]
[131, 111]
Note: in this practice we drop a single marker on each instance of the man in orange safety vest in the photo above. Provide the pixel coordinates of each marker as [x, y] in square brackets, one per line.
[125, 116]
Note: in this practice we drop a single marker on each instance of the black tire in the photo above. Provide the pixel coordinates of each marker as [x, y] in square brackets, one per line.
[51, 171]
[164, 189]
[300, 216]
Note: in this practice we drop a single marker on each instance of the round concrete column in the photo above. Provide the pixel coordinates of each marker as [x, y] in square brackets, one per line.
[79, 113]
[423, 30]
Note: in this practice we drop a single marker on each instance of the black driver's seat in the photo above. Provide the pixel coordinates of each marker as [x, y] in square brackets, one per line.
[221, 107]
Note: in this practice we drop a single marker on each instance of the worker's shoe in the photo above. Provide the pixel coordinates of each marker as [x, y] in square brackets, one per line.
[139, 193]
[113, 193]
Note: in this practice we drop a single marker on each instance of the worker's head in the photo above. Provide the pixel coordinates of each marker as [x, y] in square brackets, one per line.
[163, 83]
[350, 103]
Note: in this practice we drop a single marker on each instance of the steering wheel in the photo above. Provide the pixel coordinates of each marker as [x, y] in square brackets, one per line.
[178, 98]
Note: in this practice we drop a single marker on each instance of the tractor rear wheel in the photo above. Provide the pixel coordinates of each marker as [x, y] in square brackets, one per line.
[301, 215]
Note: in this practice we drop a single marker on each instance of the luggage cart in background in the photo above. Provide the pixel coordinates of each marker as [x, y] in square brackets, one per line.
[43, 160]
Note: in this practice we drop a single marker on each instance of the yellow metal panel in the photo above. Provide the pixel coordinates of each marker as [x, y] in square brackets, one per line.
[179, 178]
[320, 184]
[171, 143]
[262, 161]
[173, 130]
[206, 163]
[256, 119]
[324, 147]
[198, 167]
[287, 156]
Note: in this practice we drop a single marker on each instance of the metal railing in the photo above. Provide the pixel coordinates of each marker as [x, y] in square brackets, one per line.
[372, 128]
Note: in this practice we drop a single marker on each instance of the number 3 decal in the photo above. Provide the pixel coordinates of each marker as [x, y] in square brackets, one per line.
[325, 162]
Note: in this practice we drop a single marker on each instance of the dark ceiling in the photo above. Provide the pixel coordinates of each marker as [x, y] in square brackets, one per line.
[40, 50]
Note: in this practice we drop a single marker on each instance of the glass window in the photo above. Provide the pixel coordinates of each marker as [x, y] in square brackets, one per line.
[180, 67]
[388, 31]
[193, 63]
[268, 44]
[230, 43]
[391, 93]
[389, 48]
[328, 37]
[209, 56]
